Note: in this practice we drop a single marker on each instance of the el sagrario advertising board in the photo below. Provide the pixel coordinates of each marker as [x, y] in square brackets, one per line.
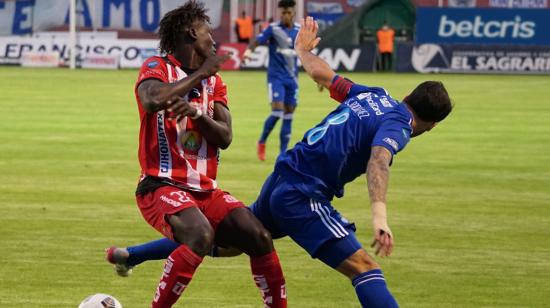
[434, 58]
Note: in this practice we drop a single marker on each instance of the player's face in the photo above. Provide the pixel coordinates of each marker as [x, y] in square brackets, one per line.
[287, 16]
[204, 43]
[419, 130]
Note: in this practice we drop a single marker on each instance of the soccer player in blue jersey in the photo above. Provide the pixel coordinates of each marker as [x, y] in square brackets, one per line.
[362, 135]
[282, 74]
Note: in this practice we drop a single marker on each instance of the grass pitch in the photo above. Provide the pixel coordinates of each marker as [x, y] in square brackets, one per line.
[469, 202]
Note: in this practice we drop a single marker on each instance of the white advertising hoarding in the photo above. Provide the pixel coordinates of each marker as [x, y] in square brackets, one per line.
[130, 52]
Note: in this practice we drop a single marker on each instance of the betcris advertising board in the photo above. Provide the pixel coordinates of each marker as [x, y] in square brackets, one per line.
[483, 26]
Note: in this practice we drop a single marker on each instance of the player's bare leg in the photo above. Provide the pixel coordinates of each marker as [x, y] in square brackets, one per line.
[357, 263]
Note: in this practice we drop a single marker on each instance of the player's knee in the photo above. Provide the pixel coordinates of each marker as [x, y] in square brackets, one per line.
[198, 236]
[368, 262]
[363, 263]
[360, 262]
[264, 242]
[289, 109]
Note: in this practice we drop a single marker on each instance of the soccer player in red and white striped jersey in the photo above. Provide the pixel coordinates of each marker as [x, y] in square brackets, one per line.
[185, 121]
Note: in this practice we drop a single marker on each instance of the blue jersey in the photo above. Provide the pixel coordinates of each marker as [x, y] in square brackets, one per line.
[337, 151]
[283, 62]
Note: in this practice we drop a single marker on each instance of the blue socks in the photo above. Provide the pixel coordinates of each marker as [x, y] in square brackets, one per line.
[270, 123]
[155, 250]
[286, 130]
[372, 291]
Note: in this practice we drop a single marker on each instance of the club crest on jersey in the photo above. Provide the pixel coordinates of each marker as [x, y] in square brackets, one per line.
[191, 140]
[152, 64]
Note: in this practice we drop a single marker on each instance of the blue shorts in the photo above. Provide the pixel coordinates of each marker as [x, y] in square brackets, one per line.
[285, 91]
[314, 225]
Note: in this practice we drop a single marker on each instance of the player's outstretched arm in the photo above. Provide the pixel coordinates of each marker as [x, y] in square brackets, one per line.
[378, 174]
[156, 95]
[305, 42]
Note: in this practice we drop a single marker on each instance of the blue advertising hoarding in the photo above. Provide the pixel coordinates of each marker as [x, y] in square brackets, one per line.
[469, 58]
[483, 26]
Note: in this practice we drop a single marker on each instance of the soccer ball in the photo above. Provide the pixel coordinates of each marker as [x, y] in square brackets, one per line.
[100, 300]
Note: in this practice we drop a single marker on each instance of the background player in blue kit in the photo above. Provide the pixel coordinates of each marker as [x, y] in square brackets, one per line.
[361, 135]
[282, 74]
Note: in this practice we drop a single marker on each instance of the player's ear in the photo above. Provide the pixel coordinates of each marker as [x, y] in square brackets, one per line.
[192, 33]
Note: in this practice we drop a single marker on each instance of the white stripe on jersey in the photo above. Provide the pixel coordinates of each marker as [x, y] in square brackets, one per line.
[315, 207]
[203, 151]
[193, 177]
[181, 125]
[165, 157]
[170, 73]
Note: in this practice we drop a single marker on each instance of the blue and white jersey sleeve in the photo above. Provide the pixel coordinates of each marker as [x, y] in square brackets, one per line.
[393, 134]
[264, 37]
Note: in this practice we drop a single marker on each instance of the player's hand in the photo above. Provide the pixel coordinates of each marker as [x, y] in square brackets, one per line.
[306, 39]
[383, 237]
[320, 87]
[179, 108]
[213, 64]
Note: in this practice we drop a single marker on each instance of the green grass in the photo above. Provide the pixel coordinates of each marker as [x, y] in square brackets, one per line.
[469, 202]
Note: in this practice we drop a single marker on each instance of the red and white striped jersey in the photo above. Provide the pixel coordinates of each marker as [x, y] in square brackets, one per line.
[177, 150]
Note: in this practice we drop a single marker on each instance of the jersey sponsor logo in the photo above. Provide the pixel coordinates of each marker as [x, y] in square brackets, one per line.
[165, 161]
[153, 64]
[358, 109]
[368, 96]
[394, 144]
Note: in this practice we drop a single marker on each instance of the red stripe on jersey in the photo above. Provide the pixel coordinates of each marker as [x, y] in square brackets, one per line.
[177, 150]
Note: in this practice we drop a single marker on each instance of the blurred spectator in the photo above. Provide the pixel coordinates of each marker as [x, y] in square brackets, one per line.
[384, 38]
[244, 26]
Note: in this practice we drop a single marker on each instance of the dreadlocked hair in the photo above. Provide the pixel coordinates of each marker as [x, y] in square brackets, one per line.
[286, 3]
[178, 20]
